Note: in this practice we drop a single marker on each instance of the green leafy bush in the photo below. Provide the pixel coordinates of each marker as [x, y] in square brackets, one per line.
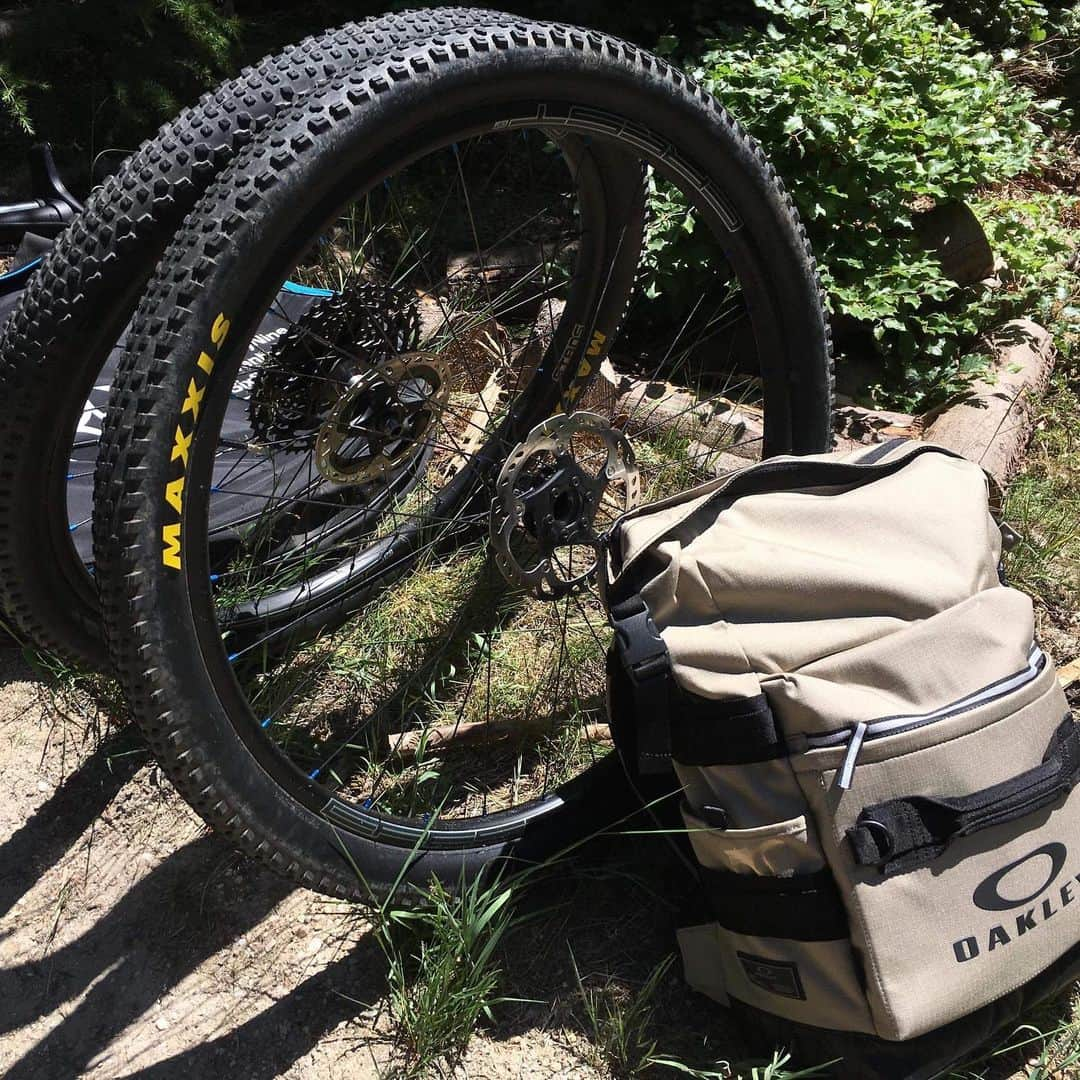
[872, 111]
[1013, 22]
[1038, 41]
[94, 75]
[1000, 22]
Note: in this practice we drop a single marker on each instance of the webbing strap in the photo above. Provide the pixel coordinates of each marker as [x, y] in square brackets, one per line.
[806, 907]
[645, 659]
[735, 731]
[904, 834]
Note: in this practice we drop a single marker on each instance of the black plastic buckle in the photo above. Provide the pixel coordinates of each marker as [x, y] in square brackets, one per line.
[644, 658]
[641, 648]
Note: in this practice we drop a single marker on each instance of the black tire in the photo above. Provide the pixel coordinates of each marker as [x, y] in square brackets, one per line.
[164, 642]
[78, 303]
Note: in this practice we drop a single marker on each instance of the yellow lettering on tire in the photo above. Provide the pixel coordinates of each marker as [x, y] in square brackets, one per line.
[170, 556]
[174, 493]
[181, 445]
[193, 401]
[181, 448]
[219, 330]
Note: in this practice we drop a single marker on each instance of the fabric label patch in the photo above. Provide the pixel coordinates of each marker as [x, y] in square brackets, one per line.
[774, 976]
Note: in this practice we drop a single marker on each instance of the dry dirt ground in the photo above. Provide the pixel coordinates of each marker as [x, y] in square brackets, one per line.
[134, 943]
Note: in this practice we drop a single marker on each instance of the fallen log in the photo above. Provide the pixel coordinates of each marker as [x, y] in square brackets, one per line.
[712, 461]
[1069, 674]
[991, 426]
[855, 426]
[655, 409]
[447, 736]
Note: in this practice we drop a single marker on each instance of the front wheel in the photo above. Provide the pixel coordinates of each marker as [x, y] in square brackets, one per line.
[349, 674]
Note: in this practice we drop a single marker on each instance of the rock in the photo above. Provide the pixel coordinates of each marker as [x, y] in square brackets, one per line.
[992, 425]
[953, 233]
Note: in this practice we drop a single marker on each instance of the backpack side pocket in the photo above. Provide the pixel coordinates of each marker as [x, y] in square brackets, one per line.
[779, 938]
[955, 850]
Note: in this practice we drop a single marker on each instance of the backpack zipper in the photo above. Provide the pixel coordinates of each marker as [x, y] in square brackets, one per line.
[855, 735]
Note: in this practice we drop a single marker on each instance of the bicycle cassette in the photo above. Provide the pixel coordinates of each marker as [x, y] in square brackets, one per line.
[341, 336]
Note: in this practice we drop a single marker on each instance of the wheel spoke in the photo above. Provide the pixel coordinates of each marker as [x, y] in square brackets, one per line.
[379, 648]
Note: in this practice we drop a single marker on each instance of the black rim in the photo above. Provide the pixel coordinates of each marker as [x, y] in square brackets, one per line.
[656, 344]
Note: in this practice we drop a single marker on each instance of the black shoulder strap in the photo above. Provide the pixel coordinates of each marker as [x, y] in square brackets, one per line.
[645, 659]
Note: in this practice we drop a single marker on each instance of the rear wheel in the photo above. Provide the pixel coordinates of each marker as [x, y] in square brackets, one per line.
[396, 663]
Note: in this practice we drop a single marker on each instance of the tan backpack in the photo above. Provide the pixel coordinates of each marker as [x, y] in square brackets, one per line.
[878, 766]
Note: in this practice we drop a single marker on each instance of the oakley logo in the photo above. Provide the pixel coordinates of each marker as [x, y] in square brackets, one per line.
[988, 894]
[1022, 918]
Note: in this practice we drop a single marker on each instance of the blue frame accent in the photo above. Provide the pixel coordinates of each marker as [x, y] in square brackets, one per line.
[21, 271]
[306, 290]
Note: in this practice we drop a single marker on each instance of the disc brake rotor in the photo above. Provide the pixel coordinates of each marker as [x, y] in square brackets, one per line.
[557, 494]
[382, 418]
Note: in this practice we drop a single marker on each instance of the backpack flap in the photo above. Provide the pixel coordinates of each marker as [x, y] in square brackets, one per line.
[953, 841]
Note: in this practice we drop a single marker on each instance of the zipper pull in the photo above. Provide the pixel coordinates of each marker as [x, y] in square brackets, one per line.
[847, 770]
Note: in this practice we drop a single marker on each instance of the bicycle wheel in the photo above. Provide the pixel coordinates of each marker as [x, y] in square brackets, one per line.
[57, 349]
[422, 693]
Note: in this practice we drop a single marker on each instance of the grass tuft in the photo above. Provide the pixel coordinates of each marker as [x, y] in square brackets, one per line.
[619, 1023]
[442, 973]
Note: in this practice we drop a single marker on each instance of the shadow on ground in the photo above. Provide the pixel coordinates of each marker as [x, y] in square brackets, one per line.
[80, 798]
[198, 901]
[51, 831]
[611, 911]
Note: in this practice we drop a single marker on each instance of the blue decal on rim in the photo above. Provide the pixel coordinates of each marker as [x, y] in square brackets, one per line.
[21, 271]
[306, 290]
